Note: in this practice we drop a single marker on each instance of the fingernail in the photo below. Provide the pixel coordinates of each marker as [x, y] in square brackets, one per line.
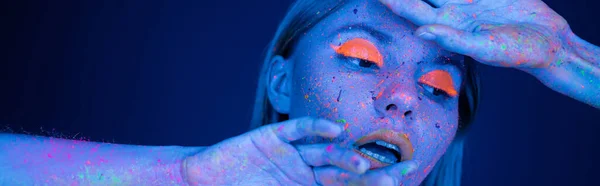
[335, 130]
[339, 129]
[361, 165]
[411, 167]
[426, 36]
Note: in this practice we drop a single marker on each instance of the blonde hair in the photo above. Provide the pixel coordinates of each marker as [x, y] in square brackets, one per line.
[300, 18]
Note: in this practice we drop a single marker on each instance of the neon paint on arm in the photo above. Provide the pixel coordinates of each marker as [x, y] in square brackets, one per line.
[439, 79]
[576, 73]
[35, 160]
[361, 49]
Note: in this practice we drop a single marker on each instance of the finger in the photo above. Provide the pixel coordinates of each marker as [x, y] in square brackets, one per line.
[390, 175]
[453, 39]
[295, 129]
[497, 45]
[333, 154]
[479, 45]
[440, 3]
[330, 175]
[416, 11]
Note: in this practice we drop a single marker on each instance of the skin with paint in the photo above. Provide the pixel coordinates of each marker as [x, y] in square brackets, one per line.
[372, 71]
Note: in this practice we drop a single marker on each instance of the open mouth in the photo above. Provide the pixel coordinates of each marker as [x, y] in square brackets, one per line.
[384, 147]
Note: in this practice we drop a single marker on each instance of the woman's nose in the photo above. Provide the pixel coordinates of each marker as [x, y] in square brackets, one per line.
[398, 101]
[392, 108]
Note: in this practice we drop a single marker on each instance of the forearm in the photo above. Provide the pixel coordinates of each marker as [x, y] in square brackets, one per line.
[584, 49]
[576, 73]
[34, 160]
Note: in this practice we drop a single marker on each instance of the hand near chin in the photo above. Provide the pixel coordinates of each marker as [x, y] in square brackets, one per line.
[525, 34]
[265, 156]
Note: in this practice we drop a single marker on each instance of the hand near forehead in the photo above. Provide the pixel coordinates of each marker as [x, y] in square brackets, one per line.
[511, 33]
[524, 34]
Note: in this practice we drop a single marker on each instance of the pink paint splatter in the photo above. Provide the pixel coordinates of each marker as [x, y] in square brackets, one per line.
[329, 148]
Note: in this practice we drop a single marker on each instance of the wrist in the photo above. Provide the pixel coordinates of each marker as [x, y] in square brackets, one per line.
[575, 71]
[566, 53]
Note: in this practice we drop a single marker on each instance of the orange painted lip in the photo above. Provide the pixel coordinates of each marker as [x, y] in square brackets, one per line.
[398, 139]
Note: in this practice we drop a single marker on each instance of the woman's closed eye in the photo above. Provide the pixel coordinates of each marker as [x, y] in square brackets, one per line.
[360, 52]
[438, 82]
[363, 63]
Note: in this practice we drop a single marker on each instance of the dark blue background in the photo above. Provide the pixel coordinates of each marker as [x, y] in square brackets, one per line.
[184, 73]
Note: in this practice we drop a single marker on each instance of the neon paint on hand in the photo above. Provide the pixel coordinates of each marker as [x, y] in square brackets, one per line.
[361, 49]
[441, 80]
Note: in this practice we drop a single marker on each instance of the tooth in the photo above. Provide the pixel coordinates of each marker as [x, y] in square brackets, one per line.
[387, 145]
[363, 150]
[384, 159]
[366, 151]
[381, 158]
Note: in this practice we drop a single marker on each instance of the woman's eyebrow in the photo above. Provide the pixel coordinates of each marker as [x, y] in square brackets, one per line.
[453, 59]
[379, 35]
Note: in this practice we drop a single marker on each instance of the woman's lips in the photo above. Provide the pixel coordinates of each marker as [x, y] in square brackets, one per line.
[398, 139]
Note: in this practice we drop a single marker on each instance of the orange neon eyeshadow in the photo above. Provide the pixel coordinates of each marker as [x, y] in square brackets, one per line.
[360, 48]
[439, 79]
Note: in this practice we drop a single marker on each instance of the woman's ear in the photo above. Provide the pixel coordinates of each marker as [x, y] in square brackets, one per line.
[279, 84]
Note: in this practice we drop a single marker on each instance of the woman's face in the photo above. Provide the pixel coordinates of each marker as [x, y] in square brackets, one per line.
[363, 67]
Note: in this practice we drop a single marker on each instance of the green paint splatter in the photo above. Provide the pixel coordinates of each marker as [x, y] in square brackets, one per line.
[405, 172]
[559, 62]
[446, 16]
[116, 180]
[503, 47]
[341, 121]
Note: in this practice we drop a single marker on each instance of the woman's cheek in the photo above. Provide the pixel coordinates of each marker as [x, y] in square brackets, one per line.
[316, 95]
[434, 131]
[329, 91]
